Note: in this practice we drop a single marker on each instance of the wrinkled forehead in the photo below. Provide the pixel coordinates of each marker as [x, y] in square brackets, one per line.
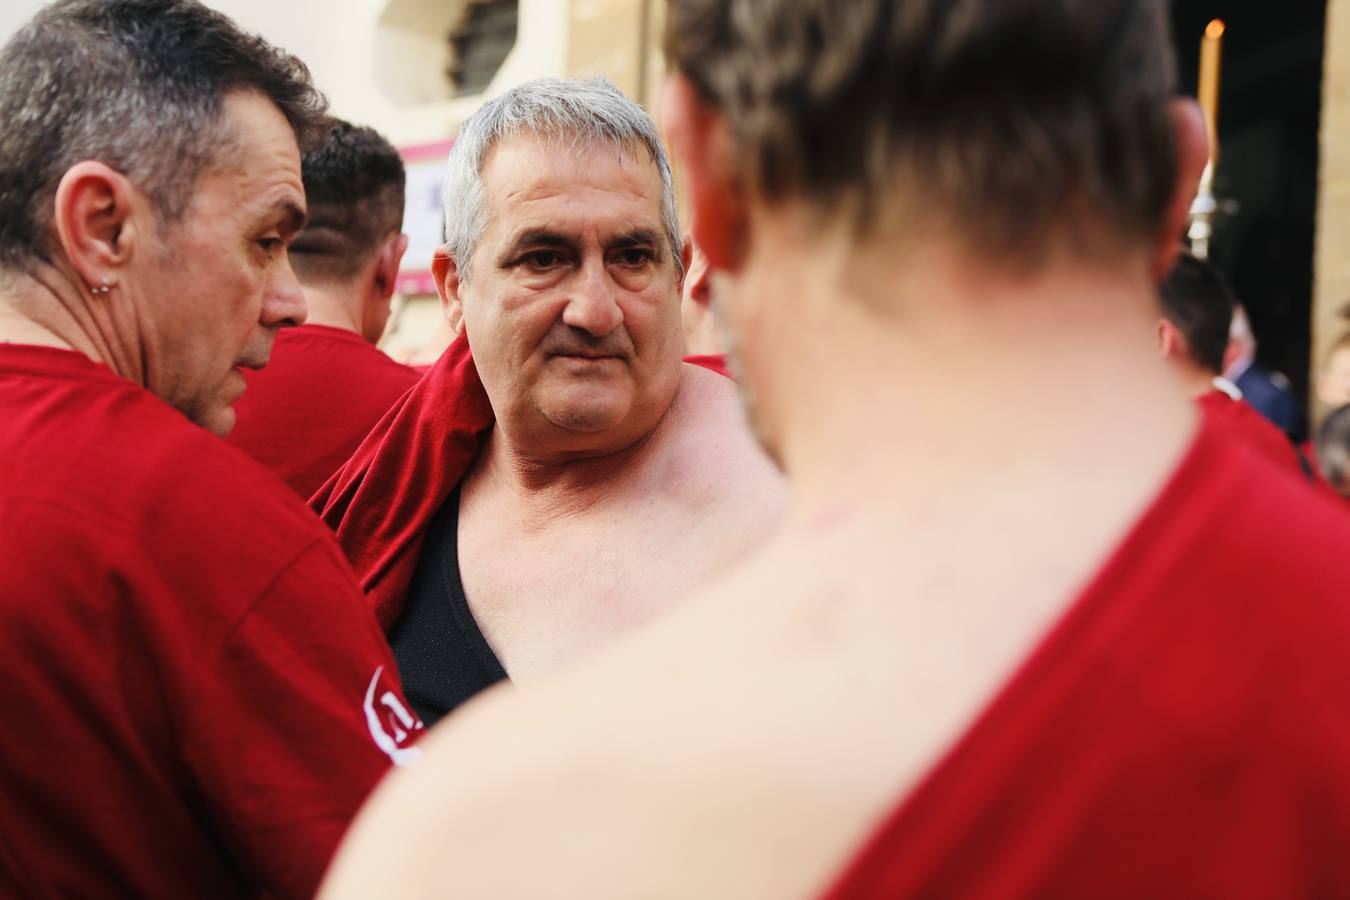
[255, 168]
[566, 180]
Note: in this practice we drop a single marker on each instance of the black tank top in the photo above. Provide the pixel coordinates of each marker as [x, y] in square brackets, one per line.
[442, 655]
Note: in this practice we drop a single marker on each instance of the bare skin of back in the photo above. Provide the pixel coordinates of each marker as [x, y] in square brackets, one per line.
[550, 572]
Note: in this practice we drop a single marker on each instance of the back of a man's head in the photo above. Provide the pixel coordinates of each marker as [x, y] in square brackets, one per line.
[1018, 124]
[135, 84]
[1198, 302]
[354, 184]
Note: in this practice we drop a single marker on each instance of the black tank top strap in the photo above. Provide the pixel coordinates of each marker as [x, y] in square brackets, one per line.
[443, 657]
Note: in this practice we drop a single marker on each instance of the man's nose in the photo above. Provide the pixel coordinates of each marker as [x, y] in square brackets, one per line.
[284, 302]
[592, 305]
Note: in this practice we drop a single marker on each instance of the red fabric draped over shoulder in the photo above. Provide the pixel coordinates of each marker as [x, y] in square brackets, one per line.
[380, 502]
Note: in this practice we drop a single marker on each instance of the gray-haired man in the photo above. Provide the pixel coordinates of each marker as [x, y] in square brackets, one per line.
[195, 699]
[616, 477]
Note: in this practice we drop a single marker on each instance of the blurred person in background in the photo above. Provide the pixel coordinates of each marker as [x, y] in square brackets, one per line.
[1269, 393]
[196, 700]
[1333, 382]
[326, 384]
[1197, 310]
[1011, 640]
[1333, 450]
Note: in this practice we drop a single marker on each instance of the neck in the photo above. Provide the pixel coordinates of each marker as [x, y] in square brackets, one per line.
[547, 488]
[1198, 382]
[960, 382]
[50, 308]
[333, 306]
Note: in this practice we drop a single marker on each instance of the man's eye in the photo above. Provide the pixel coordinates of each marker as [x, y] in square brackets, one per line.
[543, 259]
[270, 246]
[635, 257]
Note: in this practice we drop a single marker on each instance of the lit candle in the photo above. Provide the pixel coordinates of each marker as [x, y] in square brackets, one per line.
[1208, 93]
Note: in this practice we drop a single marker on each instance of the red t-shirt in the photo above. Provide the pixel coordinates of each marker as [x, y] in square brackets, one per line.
[196, 700]
[1184, 730]
[1244, 422]
[322, 391]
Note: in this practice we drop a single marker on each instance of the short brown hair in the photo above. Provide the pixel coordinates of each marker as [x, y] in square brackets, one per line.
[1009, 119]
[354, 182]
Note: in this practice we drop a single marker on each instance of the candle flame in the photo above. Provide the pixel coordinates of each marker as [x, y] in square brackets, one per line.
[1214, 29]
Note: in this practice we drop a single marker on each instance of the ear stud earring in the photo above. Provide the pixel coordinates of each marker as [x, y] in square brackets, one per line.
[103, 289]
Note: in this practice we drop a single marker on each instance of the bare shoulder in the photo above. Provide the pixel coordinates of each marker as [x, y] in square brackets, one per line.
[716, 438]
[709, 395]
[648, 771]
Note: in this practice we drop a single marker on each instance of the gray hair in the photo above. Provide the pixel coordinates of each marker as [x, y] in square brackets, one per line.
[585, 111]
[135, 84]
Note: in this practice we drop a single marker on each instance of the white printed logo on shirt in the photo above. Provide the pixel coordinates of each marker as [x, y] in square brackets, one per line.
[390, 723]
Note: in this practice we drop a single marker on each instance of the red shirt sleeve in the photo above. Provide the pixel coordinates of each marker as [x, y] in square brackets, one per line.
[295, 719]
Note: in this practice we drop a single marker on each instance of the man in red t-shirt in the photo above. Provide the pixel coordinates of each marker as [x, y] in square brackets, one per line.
[1197, 309]
[196, 699]
[1012, 640]
[326, 383]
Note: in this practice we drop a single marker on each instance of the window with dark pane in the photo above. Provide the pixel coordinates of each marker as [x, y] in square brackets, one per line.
[479, 44]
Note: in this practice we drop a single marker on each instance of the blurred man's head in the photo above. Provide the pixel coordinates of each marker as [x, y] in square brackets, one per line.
[1197, 310]
[1013, 133]
[151, 148]
[352, 243]
[1333, 450]
[1333, 383]
[563, 265]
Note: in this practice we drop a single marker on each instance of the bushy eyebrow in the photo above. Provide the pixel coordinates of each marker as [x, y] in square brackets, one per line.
[545, 237]
[293, 217]
[535, 237]
[283, 213]
[638, 237]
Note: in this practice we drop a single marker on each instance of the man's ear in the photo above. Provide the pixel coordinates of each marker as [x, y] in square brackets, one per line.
[699, 137]
[92, 217]
[1171, 342]
[1192, 153]
[387, 262]
[1231, 354]
[446, 272]
[687, 258]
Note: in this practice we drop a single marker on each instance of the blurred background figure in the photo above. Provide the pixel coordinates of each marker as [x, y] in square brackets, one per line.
[1333, 382]
[1197, 309]
[1269, 393]
[327, 384]
[1333, 451]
